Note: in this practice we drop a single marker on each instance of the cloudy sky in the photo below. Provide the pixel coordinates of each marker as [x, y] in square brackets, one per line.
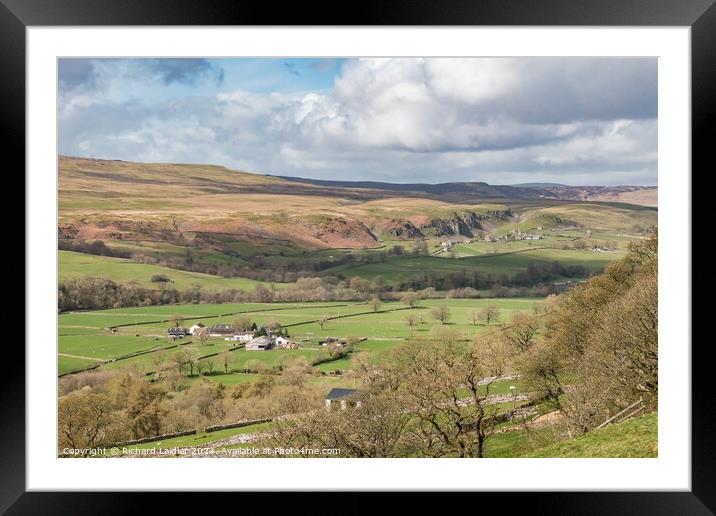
[503, 121]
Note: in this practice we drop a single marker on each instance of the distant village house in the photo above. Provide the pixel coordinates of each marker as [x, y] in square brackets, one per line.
[177, 333]
[222, 330]
[342, 397]
[244, 336]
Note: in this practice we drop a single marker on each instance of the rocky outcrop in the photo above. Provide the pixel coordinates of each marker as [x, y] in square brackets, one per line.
[340, 232]
[459, 224]
[400, 229]
[67, 231]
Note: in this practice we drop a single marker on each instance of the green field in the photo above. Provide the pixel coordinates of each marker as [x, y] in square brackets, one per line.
[157, 316]
[105, 347]
[75, 265]
[508, 263]
[383, 330]
[71, 364]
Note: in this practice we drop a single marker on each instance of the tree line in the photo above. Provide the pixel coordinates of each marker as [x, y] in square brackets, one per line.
[93, 293]
[535, 274]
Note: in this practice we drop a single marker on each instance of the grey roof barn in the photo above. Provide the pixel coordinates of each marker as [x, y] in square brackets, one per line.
[338, 393]
[343, 397]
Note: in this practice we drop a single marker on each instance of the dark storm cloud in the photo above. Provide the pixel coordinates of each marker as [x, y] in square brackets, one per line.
[583, 89]
[95, 73]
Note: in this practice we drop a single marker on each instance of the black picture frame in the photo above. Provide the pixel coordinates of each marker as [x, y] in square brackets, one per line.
[700, 15]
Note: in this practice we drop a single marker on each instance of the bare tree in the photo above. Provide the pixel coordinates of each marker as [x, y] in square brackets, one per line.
[203, 335]
[490, 314]
[274, 326]
[176, 320]
[200, 366]
[158, 361]
[375, 304]
[412, 321]
[446, 387]
[441, 313]
[323, 320]
[84, 420]
[180, 360]
[410, 299]
[227, 359]
[243, 323]
[522, 331]
[377, 428]
[192, 358]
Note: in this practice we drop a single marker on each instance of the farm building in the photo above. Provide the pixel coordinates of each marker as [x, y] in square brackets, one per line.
[259, 344]
[333, 340]
[283, 342]
[177, 333]
[196, 328]
[222, 330]
[244, 336]
[343, 397]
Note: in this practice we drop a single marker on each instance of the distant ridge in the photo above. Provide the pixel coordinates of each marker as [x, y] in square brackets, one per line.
[538, 185]
[127, 176]
[640, 195]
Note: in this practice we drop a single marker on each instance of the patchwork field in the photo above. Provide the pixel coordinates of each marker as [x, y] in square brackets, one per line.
[144, 332]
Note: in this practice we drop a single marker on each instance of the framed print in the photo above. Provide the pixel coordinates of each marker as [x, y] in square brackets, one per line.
[413, 250]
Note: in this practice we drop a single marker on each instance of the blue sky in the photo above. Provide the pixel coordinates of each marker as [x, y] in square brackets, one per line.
[499, 120]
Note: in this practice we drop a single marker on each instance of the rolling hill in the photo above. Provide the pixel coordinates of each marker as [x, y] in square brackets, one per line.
[210, 219]
[639, 195]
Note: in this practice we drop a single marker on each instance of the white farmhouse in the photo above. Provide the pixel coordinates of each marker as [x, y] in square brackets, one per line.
[244, 336]
[196, 328]
[283, 342]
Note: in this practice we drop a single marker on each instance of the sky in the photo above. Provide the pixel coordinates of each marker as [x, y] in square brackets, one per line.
[576, 121]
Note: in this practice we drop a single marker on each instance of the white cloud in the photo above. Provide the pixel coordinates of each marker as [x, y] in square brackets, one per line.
[498, 120]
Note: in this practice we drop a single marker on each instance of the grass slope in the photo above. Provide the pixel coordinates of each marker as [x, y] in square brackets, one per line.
[73, 265]
[634, 438]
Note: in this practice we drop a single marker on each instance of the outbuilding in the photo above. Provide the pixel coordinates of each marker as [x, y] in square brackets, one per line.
[342, 397]
[222, 330]
[259, 344]
[177, 333]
